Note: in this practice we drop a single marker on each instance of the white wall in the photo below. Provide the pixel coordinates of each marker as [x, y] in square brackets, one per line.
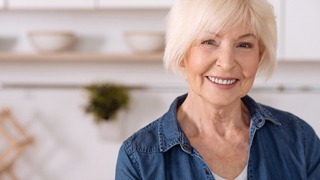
[67, 145]
[302, 96]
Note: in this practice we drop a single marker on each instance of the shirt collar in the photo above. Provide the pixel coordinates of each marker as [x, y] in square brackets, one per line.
[170, 133]
[258, 113]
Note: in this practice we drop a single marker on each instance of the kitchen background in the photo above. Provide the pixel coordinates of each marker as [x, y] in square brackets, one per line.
[45, 95]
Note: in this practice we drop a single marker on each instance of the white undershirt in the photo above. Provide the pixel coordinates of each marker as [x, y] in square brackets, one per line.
[242, 176]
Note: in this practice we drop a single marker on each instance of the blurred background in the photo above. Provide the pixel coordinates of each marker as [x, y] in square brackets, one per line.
[51, 49]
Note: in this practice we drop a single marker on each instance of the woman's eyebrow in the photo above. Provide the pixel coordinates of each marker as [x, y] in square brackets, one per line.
[247, 35]
[240, 37]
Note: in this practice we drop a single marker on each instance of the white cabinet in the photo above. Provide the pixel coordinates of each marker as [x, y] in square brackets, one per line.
[302, 30]
[279, 10]
[131, 4]
[51, 4]
[1, 4]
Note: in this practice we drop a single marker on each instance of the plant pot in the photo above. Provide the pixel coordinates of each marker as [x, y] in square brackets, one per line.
[110, 130]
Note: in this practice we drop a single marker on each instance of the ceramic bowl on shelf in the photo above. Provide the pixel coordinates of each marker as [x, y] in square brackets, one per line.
[144, 42]
[52, 41]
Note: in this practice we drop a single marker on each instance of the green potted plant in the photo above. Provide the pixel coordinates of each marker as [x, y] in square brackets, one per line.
[105, 100]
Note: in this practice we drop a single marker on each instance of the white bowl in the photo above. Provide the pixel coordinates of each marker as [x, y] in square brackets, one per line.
[145, 42]
[52, 41]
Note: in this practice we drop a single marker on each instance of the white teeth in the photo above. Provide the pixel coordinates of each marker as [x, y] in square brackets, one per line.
[220, 81]
[225, 82]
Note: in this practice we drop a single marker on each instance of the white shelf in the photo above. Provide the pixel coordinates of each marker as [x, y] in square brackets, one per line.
[134, 4]
[79, 57]
[86, 4]
[50, 4]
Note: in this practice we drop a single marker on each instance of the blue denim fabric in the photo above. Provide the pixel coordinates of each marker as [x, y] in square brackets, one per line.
[282, 146]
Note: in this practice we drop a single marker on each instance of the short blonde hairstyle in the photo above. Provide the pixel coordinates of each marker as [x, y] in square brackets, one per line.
[188, 20]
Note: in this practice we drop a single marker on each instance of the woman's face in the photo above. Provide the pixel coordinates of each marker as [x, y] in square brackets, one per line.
[221, 68]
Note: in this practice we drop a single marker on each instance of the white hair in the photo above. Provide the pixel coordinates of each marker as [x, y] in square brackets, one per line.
[188, 20]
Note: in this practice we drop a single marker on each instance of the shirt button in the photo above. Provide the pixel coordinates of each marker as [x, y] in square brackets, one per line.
[207, 171]
[186, 147]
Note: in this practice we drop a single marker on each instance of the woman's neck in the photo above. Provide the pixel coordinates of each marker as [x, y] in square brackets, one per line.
[198, 117]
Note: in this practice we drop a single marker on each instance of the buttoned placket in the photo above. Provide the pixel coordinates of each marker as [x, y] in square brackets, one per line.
[205, 166]
[254, 127]
[187, 148]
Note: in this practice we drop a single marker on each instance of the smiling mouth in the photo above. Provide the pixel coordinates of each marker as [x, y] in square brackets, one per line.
[222, 81]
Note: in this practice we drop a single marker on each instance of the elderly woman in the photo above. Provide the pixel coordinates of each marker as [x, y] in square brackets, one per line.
[217, 131]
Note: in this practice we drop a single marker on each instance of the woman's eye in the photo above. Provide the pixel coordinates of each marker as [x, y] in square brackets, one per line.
[245, 45]
[209, 42]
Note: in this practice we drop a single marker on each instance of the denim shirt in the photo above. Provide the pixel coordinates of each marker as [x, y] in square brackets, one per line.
[282, 146]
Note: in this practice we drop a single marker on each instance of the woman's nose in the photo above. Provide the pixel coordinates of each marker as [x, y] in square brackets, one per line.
[226, 58]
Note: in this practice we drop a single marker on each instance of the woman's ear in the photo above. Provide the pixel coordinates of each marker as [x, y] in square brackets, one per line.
[183, 60]
[181, 63]
[261, 51]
